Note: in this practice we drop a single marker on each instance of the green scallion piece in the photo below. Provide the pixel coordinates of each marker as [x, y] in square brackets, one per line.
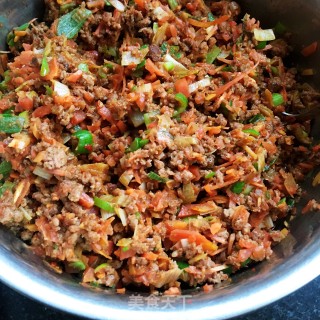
[153, 176]
[238, 187]
[137, 144]
[45, 69]
[164, 47]
[173, 4]
[71, 23]
[83, 67]
[212, 54]
[256, 118]
[211, 17]
[5, 81]
[6, 186]
[182, 264]
[252, 132]
[150, 117]
[282, 201]
[277, 99]
[169, 66]
[227, 270]
[5, 169]
[85, 141]
[279, 28]
[247, 190]
[104, 205]
[124, 249]
[261, 45]
[78, 265]
[183, 103]
[210, 175]
[245, 263]
[11, 124]
[275, 70]
[290, 202]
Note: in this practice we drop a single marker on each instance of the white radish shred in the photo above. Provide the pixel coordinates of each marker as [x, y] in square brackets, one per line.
[145, 88]
[118, 5]
[264, 34]
[60, 89]
[177, 65]
[206, 82]
[127, 59]
[122, 215]
[42, 173]
[160, 13]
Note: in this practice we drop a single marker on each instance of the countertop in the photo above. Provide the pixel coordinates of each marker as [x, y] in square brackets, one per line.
[302, 304]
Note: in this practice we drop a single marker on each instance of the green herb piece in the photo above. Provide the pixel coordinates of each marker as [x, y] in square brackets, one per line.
[164, 47]
[101, 266]
[290, 202]
[183, 103]
[256, 118]
[5, 81]
[124, 249]
[104, 205]
[83, 67]
[277, 99]
[227, 69]
[282, 201]
[137, 144]
[261, 45]
[5, 169]
[49, 90]
[153, 176]
[85, 140]
[275, 70]
[78, 265]
[245, 263]
[173, 4]
[272, 162]
[212, 54]
[71, 23]
[182, 264]
[211, 17]
[44, 67]
[11, 124]
[210, 175]
[252, 132]
[227, 270]
[238, 187]
[6, 186]
[155, 27]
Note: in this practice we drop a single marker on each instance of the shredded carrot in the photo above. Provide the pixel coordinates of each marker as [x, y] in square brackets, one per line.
[206, 24]
[310, 49]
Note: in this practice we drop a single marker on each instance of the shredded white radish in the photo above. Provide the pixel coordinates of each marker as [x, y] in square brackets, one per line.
[42, 173]
[199, 84]
[145, 88]
[127, 59]
[264, 35]
[177, 65]
[118, 5]
[60, 89]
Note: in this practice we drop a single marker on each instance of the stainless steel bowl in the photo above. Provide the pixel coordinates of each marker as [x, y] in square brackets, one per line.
[294, 262]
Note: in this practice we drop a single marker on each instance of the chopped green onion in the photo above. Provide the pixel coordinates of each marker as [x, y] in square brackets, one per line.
[212, 54]
[268, 195]
[155, 27]
[8, 112]
[107, 3]
[210, 175]
[227, 270]
[164, 48]
[272, 162]
[139, 69]
[173, 4]
[277, 99]
[227, 69]
[211, 17]
[256, 118]
[104, 205]
[11, 35]
[124, 249]
[256, 166]
[137, 144]
[238, 187]
[49, 90]
[11, 124]
[252, 132]
[71, 23]
[85, 140]
[183, 103]
[275, 70]
[246, 262]
[83, 67]
[78, 265]
[101, 266]
[169, 66]
[6, 186]
[261, 45]
[282, 201]
[182, 264]
[290, 202]
[5, 169]
[138, 215]
[153, 176]
[44, 67]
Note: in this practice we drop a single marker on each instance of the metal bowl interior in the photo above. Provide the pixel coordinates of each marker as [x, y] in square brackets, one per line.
[294, 263]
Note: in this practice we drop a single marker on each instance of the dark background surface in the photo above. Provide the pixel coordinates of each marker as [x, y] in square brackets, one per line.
[303, 304]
